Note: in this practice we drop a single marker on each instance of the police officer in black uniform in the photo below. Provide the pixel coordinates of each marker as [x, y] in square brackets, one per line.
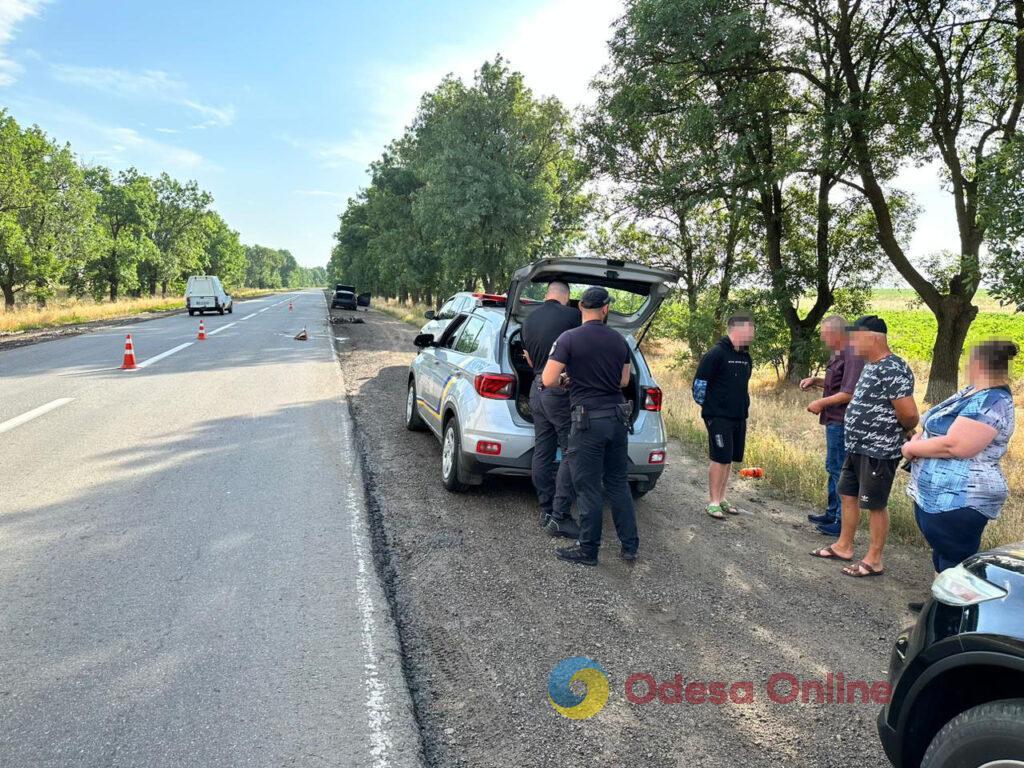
[596, 359]
[550, 409]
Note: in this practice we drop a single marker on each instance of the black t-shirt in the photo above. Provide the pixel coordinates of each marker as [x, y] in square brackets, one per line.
[545, 324]
[594, 355]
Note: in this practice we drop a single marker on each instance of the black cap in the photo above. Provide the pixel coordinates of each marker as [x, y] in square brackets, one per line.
[595, 297]
[869, 323]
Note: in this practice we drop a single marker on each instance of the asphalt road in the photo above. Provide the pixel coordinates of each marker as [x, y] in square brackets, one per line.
[485, 610]
[185, 569]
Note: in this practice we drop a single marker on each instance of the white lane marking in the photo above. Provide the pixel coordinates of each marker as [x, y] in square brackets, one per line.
[17, 421]
[162, 355]
[248, 316]
[264, 309]
[221, 328]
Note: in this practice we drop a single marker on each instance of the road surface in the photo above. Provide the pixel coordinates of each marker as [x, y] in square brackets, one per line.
[185, 573]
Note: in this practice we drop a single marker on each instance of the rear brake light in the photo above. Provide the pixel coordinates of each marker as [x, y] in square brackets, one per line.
[490, 298]
[652, 399]
[488, 448]
[656, 457]
[495, 386]
[958, 586]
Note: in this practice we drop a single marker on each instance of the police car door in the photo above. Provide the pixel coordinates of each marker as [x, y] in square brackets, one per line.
[436, 369]
[452, 360]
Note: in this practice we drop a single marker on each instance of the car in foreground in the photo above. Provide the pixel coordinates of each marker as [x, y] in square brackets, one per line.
[204, 293]
[957, 675]
[470, 385]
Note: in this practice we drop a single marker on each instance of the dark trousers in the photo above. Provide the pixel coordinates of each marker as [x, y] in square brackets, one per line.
[835, 457]
[600, 461]
[551, 478]
[953, 536]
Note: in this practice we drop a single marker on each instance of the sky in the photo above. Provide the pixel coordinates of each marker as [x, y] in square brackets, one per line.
[278, 108]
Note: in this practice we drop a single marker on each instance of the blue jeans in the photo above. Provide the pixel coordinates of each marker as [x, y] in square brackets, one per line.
[835, 455]
[953, 536]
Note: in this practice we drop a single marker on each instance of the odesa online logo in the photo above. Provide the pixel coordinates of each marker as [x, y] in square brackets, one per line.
[578, 669]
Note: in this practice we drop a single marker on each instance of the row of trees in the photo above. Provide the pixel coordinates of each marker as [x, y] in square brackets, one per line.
[90, 230]
[752, 146]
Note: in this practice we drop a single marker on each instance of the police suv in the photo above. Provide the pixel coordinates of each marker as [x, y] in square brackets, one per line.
[470, 383]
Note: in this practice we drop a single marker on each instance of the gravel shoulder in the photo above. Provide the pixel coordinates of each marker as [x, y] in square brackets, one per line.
[485, 611]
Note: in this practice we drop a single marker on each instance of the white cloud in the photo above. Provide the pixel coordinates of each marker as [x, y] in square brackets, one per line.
[12, 12]
[153, 84]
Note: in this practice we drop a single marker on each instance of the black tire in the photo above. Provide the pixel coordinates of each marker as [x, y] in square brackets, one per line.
[231, 308]
[221, 310]
[641, 488]
[413, 420]
[984, 734]
[191, 313]
[451, 474]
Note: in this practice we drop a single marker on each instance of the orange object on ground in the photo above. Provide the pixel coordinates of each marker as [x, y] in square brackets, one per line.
[129, 354]
[202, 332]
[755, 472]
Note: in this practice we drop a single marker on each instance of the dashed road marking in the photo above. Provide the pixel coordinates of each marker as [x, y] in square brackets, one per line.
[222, 328]
[149, 361]
[35, 413]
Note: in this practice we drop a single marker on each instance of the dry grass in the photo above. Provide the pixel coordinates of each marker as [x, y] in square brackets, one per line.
[407, 313]
[77, 311]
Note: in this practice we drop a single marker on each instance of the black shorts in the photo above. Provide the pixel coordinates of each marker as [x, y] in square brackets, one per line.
[869, 479]
[726, 439]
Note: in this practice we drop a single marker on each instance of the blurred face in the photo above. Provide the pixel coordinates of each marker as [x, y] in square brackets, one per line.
[975, 370]
[833, 337]
[862, 342]
[742, 334]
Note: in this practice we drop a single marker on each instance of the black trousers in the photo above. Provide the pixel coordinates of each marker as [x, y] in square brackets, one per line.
[600, 462]
[553, 481]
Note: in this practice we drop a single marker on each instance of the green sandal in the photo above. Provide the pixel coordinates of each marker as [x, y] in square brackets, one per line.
[715, 511]
[728, 508]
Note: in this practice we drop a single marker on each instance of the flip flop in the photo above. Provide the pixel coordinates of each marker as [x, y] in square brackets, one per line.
[858, 571]
[715, 511]
[832, 554]
[728, 508]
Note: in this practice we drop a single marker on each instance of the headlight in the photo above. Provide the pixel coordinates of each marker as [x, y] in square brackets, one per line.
[959, 587]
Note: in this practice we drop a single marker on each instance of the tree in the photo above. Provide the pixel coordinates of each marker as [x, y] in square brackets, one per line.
[125, 214]
[263, 267]
[224, 254]
[177, 233]
[45, 211]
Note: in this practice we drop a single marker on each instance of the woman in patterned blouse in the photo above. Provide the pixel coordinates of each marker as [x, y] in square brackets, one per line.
[956, 482]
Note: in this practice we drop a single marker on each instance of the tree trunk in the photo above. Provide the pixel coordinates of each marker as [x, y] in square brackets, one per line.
[403, 295]
[8, 297]
[163, 289]
[954, 321]
[113, 291]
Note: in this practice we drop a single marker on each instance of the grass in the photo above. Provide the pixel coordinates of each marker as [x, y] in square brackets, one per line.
[69, 311]
[789, 443]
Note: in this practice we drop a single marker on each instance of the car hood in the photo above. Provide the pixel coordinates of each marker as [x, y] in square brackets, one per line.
[645, 281]
[1009, 558]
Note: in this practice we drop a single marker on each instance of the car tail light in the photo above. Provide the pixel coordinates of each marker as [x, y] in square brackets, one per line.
[656, 457]
[652, 398]
[488, 448]
[495, 386]
[959, 587]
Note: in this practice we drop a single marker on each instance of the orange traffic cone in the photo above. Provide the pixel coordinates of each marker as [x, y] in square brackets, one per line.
[302, 336]
[129, 355]
[202, 332]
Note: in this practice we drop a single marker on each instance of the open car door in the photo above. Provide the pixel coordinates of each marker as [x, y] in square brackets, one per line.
[363, 300]
[637, 290]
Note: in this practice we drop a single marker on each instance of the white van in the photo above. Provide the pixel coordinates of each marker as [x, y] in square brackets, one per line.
[205, 293]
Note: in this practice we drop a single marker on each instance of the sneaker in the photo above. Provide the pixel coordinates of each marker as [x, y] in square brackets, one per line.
[629, 555]
[544, 517]
[566, 527]
[830, 530]
[825, 519]
[576, 555]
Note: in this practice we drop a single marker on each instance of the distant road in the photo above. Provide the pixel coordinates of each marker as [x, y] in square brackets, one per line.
[185, 575]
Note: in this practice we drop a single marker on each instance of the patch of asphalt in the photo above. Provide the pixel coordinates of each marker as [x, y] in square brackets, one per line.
[484, 611]
[24, 338]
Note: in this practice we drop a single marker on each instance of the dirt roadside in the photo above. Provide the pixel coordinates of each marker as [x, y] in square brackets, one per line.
[485, 611]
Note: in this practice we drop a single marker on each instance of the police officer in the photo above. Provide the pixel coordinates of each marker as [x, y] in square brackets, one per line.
[596, 359]
[550, 409]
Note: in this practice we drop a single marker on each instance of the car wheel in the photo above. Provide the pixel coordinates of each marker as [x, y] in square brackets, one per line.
[641, 488]
[990, 735]
[413, 420]
[191, 313]
[221, 310]
[450, 449]
[231, 309]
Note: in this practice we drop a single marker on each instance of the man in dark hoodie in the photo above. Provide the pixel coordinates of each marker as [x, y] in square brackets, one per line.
[721, 388]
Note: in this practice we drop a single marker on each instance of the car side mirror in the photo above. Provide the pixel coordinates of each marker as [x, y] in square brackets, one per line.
[430, 314]
[423, 340]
